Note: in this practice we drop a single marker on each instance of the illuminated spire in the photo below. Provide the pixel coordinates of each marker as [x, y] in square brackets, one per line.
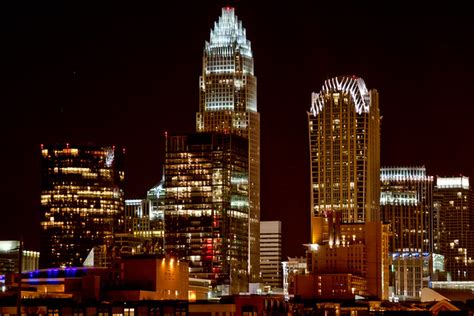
[227, 32]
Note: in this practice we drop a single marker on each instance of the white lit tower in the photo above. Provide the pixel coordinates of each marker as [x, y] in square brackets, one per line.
[228, 104]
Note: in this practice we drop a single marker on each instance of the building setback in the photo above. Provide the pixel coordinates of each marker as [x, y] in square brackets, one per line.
[228, 104]
[82, 201]
[270, 253]
[206, 207]
[406, 202]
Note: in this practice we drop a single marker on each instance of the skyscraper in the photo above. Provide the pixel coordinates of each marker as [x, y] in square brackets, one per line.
[82, 201]
[456, 221]
[406, 202]
[228, 104]
[206, 207]
[270, 253]
[344, 133]
[349, 243]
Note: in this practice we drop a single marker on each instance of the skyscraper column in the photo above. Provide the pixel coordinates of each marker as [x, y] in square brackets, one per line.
[228, 104]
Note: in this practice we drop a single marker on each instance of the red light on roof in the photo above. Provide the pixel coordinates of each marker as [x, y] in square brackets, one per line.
[228, 8]
[41, 146]
[67, 145]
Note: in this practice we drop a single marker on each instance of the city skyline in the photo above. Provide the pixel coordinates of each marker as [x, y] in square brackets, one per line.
[109, 79]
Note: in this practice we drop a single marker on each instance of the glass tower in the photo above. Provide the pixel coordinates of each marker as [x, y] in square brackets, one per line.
[344, 133]
[82, 201]
[206, 207]
[228, 104]
[406, 202]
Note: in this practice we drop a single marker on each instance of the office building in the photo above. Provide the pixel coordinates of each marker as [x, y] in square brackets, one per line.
[10, 257]
[349, 243]
[144, 221]
[291, 268]
[206, 207]
[228, 104]
[406, 202]
[270, 253]
[82, 201]
[453, 196]
[344, 133]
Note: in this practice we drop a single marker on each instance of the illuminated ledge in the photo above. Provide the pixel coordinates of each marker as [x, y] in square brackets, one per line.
[452, 183]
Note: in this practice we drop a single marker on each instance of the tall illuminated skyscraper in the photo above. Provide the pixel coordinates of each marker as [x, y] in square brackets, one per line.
[228, 104]
[344, 132]
[82, 201]
[349, 243]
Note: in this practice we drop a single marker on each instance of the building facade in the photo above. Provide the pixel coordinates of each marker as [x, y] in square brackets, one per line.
[344, 135]
[291, 268]
[453, 196]
[270, 253]
[206, 207]
[144, 220]
[10, 257]
[228, 104]
[82, 201]
[406, 202]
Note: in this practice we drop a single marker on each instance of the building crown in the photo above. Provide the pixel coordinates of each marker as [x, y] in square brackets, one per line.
[353, 85]
[227, 32]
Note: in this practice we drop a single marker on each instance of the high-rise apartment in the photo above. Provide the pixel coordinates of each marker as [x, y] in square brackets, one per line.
[270, 253]
[455, 200]
[349, 243]
[406, 202]
[228, 104]
[206, 207]
[344, 133]
[82, 201]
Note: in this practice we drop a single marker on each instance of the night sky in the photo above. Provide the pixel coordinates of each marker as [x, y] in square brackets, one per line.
[126, 74]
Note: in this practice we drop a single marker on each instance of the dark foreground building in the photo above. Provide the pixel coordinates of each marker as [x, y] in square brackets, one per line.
[82, 201]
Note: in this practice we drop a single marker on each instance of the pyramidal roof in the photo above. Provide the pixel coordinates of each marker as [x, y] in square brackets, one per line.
[228, 31]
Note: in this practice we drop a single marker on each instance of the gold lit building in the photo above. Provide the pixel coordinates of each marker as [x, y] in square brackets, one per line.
[348, 240]
[344, 132]
[82, 201]
[228, 104]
